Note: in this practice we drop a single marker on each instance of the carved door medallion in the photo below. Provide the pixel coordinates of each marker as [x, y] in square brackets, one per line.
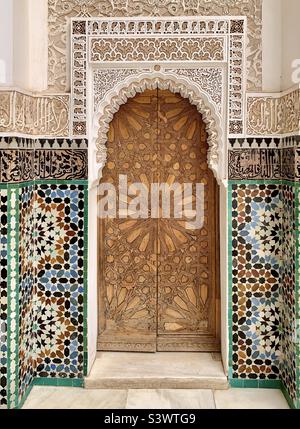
[158, 279]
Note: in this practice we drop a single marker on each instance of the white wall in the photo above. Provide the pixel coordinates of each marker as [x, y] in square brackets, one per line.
[30, 44]
[6, 42]
[38, 40]
[290, 40]
[272, 44]
[21, 44]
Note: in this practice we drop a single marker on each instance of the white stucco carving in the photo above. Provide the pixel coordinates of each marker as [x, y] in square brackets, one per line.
[132, 85]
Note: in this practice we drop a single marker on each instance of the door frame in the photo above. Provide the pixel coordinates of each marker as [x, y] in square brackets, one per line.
[145, 344]
[164, 82]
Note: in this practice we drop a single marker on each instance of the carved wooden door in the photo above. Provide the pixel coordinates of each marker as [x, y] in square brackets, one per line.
[158, 285]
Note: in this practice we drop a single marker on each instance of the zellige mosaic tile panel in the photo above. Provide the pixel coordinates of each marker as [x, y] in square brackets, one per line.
[255, 279]
[27, 289]
[288, 292]
[3, 298]
[60, 236]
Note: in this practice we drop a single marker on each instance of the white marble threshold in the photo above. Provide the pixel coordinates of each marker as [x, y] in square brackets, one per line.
[113, 370]
[77, 398]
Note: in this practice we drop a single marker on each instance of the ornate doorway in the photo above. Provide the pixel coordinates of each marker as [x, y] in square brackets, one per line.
[158, 280]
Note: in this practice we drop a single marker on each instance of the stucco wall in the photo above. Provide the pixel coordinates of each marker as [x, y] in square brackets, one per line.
[290, 40]
[6, 42]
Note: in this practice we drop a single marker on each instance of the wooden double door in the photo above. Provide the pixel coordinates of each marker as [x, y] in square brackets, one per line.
[158, 279]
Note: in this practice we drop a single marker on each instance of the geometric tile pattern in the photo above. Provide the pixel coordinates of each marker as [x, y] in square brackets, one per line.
[288, 365]
[43, 258]
[60, 233]
[42, 249]
[43, 273]
[297, 287]
[3, 297]
[13, 295]
[27, 289]
[255, 258]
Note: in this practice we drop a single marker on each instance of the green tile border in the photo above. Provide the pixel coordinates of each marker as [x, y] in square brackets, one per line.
[13, 191]
[42, 182]
[229, 249]
[60, 182]
[254, 182]
[59, 382]
[8, 336]
[297, 289]
[264, 182]
[254, 384]
[85, 310]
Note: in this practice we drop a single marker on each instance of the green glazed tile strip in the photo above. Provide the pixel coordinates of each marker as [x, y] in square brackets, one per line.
[8, 300]
[270, 384]
[13, 296]
[254, 183]
[230, 280]
[255, 384]
[60, 382]
[236, 383]
[60, 182]
[17, 297]
[85, 312]
[297, 293]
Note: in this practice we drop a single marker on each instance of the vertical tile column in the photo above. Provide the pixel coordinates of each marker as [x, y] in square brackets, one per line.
[254, 282]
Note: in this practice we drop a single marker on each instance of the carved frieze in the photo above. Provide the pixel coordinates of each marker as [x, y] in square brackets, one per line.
[250, 164]
[27, 159]
[210, 80]
[282, 163]
[192, 41]
[45, 115]
[135, 84]
[104, 81]
[151, 50]
[61, 11]
[255, 143]
[269, 115]
[6, 110]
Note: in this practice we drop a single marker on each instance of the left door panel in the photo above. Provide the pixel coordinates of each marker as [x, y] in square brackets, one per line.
[128, 247]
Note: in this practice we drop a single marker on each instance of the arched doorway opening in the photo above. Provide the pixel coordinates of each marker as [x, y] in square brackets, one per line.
[158, 280]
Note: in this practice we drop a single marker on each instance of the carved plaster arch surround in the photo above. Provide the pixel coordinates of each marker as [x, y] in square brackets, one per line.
[104, 113]
[135, 84]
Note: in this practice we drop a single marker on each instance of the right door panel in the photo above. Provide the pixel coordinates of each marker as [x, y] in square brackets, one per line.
[188, 294]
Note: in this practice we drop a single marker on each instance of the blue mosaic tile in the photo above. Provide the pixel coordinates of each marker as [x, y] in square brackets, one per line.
[255, 279]
[3, 299]
[60, 280]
